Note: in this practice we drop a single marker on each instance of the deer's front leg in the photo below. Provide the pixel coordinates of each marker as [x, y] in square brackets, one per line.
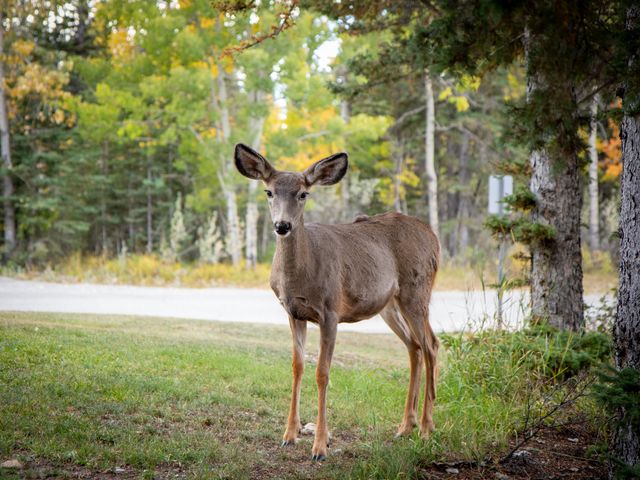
[299, 336]
[327, 343]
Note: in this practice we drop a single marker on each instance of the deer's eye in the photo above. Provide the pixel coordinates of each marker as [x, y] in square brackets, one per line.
[304, 195]
[269, 193]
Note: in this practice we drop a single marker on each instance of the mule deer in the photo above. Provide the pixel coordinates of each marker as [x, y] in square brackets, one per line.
[330, 274]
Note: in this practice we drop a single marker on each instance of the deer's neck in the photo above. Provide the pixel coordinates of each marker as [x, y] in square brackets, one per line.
[294, 254]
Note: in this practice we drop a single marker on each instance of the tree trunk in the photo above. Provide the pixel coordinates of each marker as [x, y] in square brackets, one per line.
[233, 226]
[556, 271]
[5, 152]
[345, 214]
[429, 146]
[594, 231]
[626, 439]
[251, 219]
[267, 228]
[397, 160]
[556, 265]
[463, 207]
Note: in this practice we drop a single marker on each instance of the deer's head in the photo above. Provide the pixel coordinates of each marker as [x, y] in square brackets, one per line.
[287, 191]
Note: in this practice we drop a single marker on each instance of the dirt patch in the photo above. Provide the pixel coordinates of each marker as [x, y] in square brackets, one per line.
[555, 453]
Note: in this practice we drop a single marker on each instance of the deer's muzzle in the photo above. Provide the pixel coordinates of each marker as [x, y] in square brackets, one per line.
[282, 228]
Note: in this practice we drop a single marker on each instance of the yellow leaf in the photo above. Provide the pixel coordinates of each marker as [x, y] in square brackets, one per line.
[58, 116]
[206, 23]
[462, 104]
[469, 82]
[120, 44]
[446, 93]
[23, 47]
[228, 64]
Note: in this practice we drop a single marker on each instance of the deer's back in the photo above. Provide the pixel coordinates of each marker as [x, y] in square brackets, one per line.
[408, 240]
[375, 257]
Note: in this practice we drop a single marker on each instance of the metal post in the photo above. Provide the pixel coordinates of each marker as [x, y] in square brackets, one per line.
[501, 254]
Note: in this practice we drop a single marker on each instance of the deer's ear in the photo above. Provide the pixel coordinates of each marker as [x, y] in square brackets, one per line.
[327, 171]
[251, 164]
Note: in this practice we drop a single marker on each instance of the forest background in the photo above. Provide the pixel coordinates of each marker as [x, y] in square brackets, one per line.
[123, 116]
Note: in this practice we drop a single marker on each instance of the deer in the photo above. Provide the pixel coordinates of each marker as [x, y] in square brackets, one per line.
[330, 274]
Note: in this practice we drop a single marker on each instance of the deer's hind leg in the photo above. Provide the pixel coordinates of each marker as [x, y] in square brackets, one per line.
[299, 337]
[414, 306]
[398, 325]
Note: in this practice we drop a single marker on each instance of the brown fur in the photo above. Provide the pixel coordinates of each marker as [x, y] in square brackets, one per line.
[331, 274]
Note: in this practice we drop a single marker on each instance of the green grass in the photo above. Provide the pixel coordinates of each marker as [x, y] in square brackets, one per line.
[86, 393]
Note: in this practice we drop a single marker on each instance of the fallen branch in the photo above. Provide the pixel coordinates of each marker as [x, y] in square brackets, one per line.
[573, 389]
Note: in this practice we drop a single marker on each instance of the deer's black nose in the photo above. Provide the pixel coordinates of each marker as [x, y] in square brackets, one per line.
[282, 228]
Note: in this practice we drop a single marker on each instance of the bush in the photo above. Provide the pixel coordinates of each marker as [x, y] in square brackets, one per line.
[619, 392]
[541, 350]
[560, 354]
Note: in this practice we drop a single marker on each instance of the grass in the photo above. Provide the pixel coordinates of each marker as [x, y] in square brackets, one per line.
[599, 274]
[157, 397]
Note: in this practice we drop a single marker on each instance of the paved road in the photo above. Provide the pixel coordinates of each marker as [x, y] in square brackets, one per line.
[450, 311]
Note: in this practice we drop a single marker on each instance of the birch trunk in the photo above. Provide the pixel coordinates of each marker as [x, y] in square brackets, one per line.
[429, 146]
[345, 215]
[251, 220]
[397, 158]
[556, 266]
[5, 152]
[594, 230]
[234, 247]
[465, 200]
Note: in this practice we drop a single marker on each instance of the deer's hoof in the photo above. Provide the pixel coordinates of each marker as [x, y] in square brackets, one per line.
[318, 457]
[404, 432]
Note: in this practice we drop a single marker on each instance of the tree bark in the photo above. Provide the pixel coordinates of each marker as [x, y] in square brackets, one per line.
[251, 219]
[465, 201]
[397, 161]
[556, 270]
[5, 151]
[233, 226]
[626, 439]
[556, 265]
[429, 146]
[345, 214]
[594, 230]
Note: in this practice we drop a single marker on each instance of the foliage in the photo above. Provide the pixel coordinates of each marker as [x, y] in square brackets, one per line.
[560, 354]
[520, 230]
[523, 199]
[619, 392]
